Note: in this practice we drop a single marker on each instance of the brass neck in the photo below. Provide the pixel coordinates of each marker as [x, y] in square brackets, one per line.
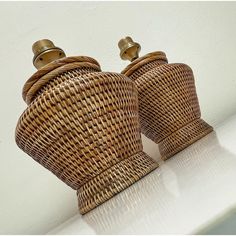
[129, 50]
[45, 52]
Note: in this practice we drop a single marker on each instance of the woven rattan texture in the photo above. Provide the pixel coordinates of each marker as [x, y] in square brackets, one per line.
[50, 71]
[167, 103]
[145, 68]
[142, 61]
[115, 179]
[133, 203]
[183, 137]
[67, 75]
[81, 124]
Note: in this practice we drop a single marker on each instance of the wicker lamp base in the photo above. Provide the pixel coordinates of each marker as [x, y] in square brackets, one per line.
[183, 137]
[114, 180]
[83, 126]
[169, 110]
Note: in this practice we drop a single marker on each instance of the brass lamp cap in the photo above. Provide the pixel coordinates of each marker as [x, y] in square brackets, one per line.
[129, 49]
[45, 52]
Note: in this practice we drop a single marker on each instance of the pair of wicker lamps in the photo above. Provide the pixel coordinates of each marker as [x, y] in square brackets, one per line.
[84, 125]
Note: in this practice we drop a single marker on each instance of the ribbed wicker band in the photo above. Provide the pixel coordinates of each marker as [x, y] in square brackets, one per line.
[114, 180]
[184, 137]
[134, 202]
[52, 74]
[133, 66]
[49, 71]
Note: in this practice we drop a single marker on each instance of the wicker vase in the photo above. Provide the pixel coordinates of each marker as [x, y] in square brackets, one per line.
[82, 125]
[168, 104]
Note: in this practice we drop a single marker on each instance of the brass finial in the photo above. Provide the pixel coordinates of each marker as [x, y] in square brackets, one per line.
[45, 52]
[129, 49]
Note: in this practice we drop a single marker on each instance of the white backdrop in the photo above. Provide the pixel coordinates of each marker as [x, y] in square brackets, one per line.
[201, 34]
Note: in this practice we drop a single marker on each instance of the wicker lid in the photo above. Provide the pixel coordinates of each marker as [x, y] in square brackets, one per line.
[54, 68]
[158, 55]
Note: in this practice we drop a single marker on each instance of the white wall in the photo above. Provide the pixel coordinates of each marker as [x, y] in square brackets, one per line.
[201, 34]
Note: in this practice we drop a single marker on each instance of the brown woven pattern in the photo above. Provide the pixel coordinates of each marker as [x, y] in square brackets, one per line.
[141, 62]
[115, 179]
[79, 125]
[61, 77]
[133, 203]
[54, 65]
[50, 71]
[167, 103]
[145, 68]
[180, 139]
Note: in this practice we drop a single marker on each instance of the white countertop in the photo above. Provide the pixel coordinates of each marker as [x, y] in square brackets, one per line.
[183, 195]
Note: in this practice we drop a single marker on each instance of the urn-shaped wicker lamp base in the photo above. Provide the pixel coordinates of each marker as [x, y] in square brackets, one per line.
[169, 110]
[82, 124]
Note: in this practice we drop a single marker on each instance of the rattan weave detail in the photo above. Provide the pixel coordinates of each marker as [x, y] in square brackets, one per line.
[115, 179]
[168, 103]
[83, 126]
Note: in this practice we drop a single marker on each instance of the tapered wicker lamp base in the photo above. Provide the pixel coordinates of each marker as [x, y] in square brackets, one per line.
[169, 110]
[83, 125]
[114, 180]
[183, 137]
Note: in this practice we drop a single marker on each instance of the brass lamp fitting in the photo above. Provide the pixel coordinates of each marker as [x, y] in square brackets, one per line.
[129, 49]
[45, 52]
